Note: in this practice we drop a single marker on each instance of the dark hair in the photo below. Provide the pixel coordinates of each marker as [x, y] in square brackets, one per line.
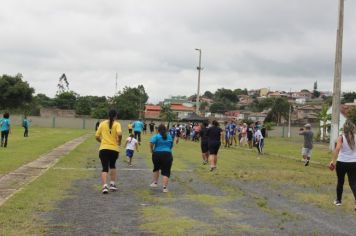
[6, 115]
[215, 123]
[349, 131]
[205, 124]
[162, 130]
[112, 117]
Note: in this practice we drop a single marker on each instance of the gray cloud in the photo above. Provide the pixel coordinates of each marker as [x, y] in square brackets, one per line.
[278, 44]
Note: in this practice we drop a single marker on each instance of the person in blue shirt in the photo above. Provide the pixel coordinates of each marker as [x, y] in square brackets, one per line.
[137, 128]
[232, 130]
[161, 146]
[227, 134]
[172, 131]
[5, 129]
[25, 125]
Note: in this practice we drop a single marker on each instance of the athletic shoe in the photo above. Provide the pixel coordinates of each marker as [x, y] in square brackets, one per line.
[165, 190]
[212, 169]
[205, 162]
[105, 190]
[306, 163]
[337, 203]
[113, 188]
[154, 185]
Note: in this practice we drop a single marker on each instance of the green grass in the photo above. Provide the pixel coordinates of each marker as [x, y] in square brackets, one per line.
[22, 150]
[21, 215]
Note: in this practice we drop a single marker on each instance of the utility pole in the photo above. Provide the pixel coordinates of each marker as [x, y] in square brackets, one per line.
[335, 119]
[289, 119]
[198, 92]
[116, 84]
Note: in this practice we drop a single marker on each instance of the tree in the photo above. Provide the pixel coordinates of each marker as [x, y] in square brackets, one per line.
[239, 92]
[66, 100]
[101, 111]
[83, 106]
[208, 94]
[130, 102]
[43, 101]
[324, 117]
[352, 115]
[279, 110]
[203, 106]
[226, 95]
[14, 92]
[166, 113]
[218, 107]
[349, 97]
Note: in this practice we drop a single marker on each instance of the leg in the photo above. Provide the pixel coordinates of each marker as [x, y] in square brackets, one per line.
[156, 167]
[340, 172]
[351, 174]
[6, 138]
[112, 165]
[215, 160]
[105, 164]
[139, 137]
[155, 177]
[2, 138]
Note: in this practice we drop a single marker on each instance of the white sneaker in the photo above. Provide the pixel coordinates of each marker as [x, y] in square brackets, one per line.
[154, 185]
[113, 188]
[165, 190]
[105, 190]
[337, 203]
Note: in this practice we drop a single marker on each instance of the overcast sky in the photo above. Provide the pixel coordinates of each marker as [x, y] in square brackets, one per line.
[280, 44]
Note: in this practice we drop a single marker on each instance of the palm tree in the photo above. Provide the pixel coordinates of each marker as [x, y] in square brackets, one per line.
[167, 114]
[323, 118]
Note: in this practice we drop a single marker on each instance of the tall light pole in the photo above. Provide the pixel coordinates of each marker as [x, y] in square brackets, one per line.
[335, 119]
[198, 92]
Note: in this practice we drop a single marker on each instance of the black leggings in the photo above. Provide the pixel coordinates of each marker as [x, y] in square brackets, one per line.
[137, 135]
[108, 159]
[4, 136]
[25, 134]
[343, 168]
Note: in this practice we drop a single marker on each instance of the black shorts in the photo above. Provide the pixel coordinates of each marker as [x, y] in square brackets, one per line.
[108, 159]
[204, 147]
[214, 147]
[162, 161]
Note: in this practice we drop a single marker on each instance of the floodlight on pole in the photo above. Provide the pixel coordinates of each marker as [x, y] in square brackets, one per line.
[198, 90]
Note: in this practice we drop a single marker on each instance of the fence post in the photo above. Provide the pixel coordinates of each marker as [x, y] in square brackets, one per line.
[83, 123]
[53, 122]
[283, 132]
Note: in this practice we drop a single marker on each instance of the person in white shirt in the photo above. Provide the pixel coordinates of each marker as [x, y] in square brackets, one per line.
[259, 139]
[344, 160]
[131, 144]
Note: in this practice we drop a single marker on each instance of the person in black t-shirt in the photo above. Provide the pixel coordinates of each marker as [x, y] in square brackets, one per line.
[152, 126]
[204, 142]
[214, 143]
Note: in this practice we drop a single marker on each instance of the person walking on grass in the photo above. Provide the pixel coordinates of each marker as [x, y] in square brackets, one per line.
[137, 128]
[5, 129]
[204, 142]
[344, 159]
[161, 146]
[109, 136]
[152, 126]
[259, 139]
[131, 144]
[25, 125]
[214, 134]
[308, 143]
[227, 134]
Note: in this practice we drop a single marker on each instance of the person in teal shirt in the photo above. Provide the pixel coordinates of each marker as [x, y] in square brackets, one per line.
[137, 128]
[25, 125]
[161, 147]
[5, 129]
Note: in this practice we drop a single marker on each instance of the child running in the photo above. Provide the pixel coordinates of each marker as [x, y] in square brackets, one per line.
[204, 142]
[25, 125]
[259, 139]
[109, 136]
[131, 144]
[5, 129]
[308, 143]
[161, 148]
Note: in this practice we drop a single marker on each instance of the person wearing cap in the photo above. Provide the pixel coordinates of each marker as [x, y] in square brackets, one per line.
[308, 143]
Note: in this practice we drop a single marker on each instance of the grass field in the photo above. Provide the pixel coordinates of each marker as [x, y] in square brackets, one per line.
[280, 169]
[22, 150]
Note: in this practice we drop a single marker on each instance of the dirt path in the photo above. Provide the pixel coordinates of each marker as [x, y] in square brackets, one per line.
[236, 208]
[14, 181]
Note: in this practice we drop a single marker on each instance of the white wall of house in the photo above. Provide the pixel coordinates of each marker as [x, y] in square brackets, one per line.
[341, 123]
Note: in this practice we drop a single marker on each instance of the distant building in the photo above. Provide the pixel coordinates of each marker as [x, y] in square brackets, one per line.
[306, 114]
[153, 111]
[245, 100]
[264, 92]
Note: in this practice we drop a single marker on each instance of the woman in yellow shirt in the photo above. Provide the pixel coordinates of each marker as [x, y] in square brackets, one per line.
[109, 136]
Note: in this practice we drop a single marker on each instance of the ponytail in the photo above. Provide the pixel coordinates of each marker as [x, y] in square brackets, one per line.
[162, 130]
[350, 131]
[112, 116]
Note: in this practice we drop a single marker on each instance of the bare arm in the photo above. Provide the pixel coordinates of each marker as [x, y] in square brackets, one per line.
[336, 150]
[119, 138]
[98, 139]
